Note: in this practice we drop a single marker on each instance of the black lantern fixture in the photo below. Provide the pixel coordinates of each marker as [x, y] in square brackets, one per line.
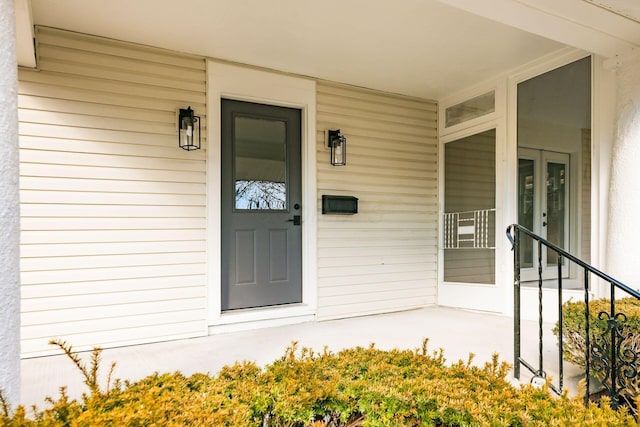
[338, 145]
[188, 130]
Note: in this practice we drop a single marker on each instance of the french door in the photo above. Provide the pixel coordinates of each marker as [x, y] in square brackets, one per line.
[544, 208]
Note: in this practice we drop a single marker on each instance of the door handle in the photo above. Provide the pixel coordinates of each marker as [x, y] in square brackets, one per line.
[295, 220]
[544, 223]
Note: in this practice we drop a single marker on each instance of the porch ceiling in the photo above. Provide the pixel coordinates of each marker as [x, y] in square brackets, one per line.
[416, 47]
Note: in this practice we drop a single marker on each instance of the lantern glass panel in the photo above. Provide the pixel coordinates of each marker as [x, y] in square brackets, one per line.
[189, 134]
[338, 151]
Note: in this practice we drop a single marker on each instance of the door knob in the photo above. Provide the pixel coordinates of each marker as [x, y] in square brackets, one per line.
[295, 220]
[544, 223]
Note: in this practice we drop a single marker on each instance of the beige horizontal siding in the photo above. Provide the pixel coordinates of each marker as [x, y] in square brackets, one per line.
[116, 48]
[128, 91]
[43, 224]
[113, 213]
[65, 289]
[385, 257]
[102, 248]
[110, 173]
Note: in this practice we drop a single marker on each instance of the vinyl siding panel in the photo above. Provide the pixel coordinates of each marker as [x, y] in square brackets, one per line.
[113, 213]
[385, 257]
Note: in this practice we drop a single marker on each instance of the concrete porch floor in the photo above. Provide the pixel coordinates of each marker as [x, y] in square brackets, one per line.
[458, 332]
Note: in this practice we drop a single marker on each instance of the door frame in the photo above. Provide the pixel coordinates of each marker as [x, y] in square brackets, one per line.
[504, 119]
[602, 130]
[485, 297]
[229, 81]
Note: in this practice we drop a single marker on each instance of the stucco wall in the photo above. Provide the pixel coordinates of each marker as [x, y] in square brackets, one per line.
[624, 226]
[9, 210]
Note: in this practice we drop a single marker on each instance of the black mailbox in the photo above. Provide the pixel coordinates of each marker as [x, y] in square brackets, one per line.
[339, 205]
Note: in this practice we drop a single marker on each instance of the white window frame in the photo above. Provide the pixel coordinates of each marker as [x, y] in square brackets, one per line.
[504, 119]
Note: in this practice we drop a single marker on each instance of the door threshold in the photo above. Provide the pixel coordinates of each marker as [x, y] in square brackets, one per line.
[263, 317]
[567, 284]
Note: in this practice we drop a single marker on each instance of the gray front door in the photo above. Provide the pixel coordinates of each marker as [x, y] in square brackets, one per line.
[261, 205]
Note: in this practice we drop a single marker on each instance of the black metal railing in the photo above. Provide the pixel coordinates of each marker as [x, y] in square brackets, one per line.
[611, 354]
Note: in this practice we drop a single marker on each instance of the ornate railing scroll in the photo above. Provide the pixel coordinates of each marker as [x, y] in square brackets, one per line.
[611, 359]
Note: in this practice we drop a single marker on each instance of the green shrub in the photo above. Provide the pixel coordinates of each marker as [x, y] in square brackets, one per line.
[355, 387]
[574, 337]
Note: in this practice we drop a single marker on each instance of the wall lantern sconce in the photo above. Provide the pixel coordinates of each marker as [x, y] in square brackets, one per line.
[338, 145]
[188, 130]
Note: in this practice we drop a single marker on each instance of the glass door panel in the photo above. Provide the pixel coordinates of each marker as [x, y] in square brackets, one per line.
[554, 128]
[526, 207]
[543, 207]
[469, 206]
[556, 212]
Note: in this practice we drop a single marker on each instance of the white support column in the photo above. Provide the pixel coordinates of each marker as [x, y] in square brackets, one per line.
[9, 209]
[623, 243]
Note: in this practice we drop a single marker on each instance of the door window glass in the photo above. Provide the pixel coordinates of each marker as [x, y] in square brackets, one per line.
[556, 208]
[526, 205]
[260, 171]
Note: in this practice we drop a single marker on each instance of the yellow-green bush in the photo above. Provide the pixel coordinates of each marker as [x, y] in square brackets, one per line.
[355, 387]
[574, 337]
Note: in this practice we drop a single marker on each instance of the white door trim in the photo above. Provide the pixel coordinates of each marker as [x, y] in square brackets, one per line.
[231, 81]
